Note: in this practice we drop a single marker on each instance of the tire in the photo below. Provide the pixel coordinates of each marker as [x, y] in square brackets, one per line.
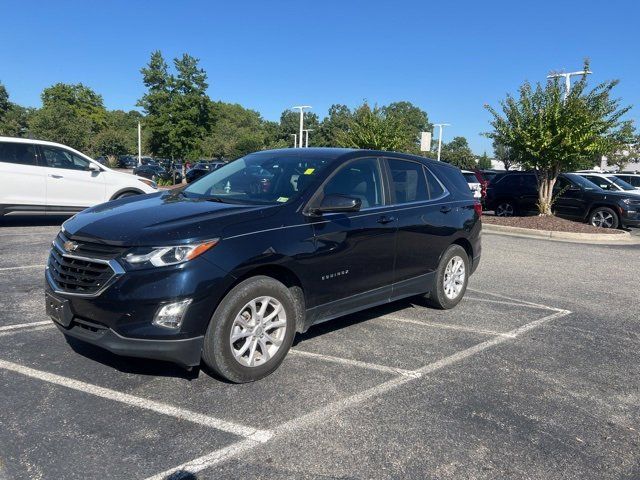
[235, 361]
[604, 217]
[441, 295]
[125, 195]
[505, 208]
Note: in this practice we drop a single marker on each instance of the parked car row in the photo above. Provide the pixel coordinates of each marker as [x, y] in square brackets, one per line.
[202, 168]
[157, 172]
[598, 199]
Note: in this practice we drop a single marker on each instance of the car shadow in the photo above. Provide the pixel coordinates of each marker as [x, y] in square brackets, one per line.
[133, 365]
[358, 317]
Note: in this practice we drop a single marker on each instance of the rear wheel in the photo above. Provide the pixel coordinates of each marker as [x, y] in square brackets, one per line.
[251, 331]
[604, 217]
[505, 208]
[452, 277]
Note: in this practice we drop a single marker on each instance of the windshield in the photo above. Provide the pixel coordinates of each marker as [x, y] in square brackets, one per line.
[621, 183]
[582, 182]
[258, 178]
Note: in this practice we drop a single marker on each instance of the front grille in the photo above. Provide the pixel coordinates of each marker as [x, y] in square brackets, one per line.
[93, 249]
[78, 276]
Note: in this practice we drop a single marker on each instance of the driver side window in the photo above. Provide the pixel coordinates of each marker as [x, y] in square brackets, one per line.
[359, 179]
[59, 158]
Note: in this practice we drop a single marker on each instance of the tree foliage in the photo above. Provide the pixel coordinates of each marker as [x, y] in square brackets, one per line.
[551, 134]
[13, 118]
[372, 129]
[484, 163]
[505, 154]
[458, 153]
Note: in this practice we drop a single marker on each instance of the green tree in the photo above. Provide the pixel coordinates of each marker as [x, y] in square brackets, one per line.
[458, 153]
[85, 102]
[177, 106]
[484, 163]
[412, 121]
[13, 118]
[551, 134]
[61, 123]
[290, 124]
[505, 154]
[336, 121]
[110, 143]
[370, 128]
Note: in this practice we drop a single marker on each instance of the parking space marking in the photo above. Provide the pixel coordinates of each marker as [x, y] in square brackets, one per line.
[446, 326]
[5, 269]
[206, 461]
[254, 434]
[354, 363]
[518, 301]
[321, 414]
[26, 330]
[17, 326]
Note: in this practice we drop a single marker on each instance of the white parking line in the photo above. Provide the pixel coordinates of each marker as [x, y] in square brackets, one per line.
[446, 326]
[17, 326]
[518, 301]
[503, 302]
[241, 430]
[6, 269]
[207, 461]
[353, 363]
[321, 414]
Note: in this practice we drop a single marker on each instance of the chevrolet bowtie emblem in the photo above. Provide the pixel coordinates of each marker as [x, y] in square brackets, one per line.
[70, 246]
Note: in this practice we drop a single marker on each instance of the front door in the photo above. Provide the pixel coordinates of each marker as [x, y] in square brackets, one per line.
[355, 251]
[569, 199]
[71, 185]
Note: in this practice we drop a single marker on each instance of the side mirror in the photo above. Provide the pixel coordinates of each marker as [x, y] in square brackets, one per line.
[574, 188]
[94, 168]
[335, 203]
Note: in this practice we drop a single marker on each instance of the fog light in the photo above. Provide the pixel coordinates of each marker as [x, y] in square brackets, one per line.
[170, 315]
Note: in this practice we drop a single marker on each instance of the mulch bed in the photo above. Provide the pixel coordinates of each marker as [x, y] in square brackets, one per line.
[554, 224]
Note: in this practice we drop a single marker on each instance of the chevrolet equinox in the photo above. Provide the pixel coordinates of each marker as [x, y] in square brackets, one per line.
[228, 269]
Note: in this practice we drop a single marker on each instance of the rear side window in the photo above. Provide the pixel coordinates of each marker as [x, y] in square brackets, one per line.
[435, 187]
[408, 181]
[470, 177]
[19, 153]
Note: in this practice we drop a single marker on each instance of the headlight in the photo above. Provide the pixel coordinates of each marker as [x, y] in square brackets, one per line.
[151, 183]
[164, 256]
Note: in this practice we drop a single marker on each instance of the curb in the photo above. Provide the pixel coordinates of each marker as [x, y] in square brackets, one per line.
[623, 238]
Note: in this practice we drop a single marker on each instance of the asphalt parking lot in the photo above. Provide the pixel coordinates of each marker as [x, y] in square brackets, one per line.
[534, 375]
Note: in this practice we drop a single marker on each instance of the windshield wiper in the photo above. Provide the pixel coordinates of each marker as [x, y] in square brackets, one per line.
[216, 199]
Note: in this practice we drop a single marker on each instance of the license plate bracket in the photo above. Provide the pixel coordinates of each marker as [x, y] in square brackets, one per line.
[58, 309]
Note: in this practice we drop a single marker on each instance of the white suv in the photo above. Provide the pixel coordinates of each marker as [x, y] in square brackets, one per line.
[608, 181]
[38, 177]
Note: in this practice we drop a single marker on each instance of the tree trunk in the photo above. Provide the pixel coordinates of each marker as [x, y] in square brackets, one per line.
[546, 181]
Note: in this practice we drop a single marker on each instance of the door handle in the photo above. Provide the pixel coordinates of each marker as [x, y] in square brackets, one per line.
[445, 209]
[386, 219]
[55, 176]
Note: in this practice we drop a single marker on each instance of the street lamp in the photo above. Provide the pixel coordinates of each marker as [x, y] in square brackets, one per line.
[301, 108]
[567, 79]
[306, 136]
[295, 139]
[441, 125]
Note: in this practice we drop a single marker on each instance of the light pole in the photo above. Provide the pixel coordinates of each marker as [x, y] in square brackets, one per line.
[567, 79]
[301, 108]
[295, 139]
[441, 125]
[139, 144]
[306, 136]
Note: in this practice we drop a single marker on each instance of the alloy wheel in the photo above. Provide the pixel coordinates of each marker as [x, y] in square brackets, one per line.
[504, 210]
[258, 331]
[602, 219]
[454, 277]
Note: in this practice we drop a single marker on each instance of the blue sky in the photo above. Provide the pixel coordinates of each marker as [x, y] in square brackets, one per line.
[449, 58]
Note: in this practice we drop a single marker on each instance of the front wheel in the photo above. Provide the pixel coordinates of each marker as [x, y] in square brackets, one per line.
[505, 208]
[251, 331]
[452, 277]
[604, 217]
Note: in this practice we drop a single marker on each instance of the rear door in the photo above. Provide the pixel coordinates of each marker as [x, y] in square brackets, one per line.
[424, 223]
[70, 184]
[23, 180]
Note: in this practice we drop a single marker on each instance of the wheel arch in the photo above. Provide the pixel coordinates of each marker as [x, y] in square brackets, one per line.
[133, 190]
[466, 244]
[287, 277]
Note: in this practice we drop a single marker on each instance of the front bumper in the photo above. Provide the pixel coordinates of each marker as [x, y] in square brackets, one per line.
[630, 218]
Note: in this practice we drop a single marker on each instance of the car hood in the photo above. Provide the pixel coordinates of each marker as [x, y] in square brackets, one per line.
[162, 218]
